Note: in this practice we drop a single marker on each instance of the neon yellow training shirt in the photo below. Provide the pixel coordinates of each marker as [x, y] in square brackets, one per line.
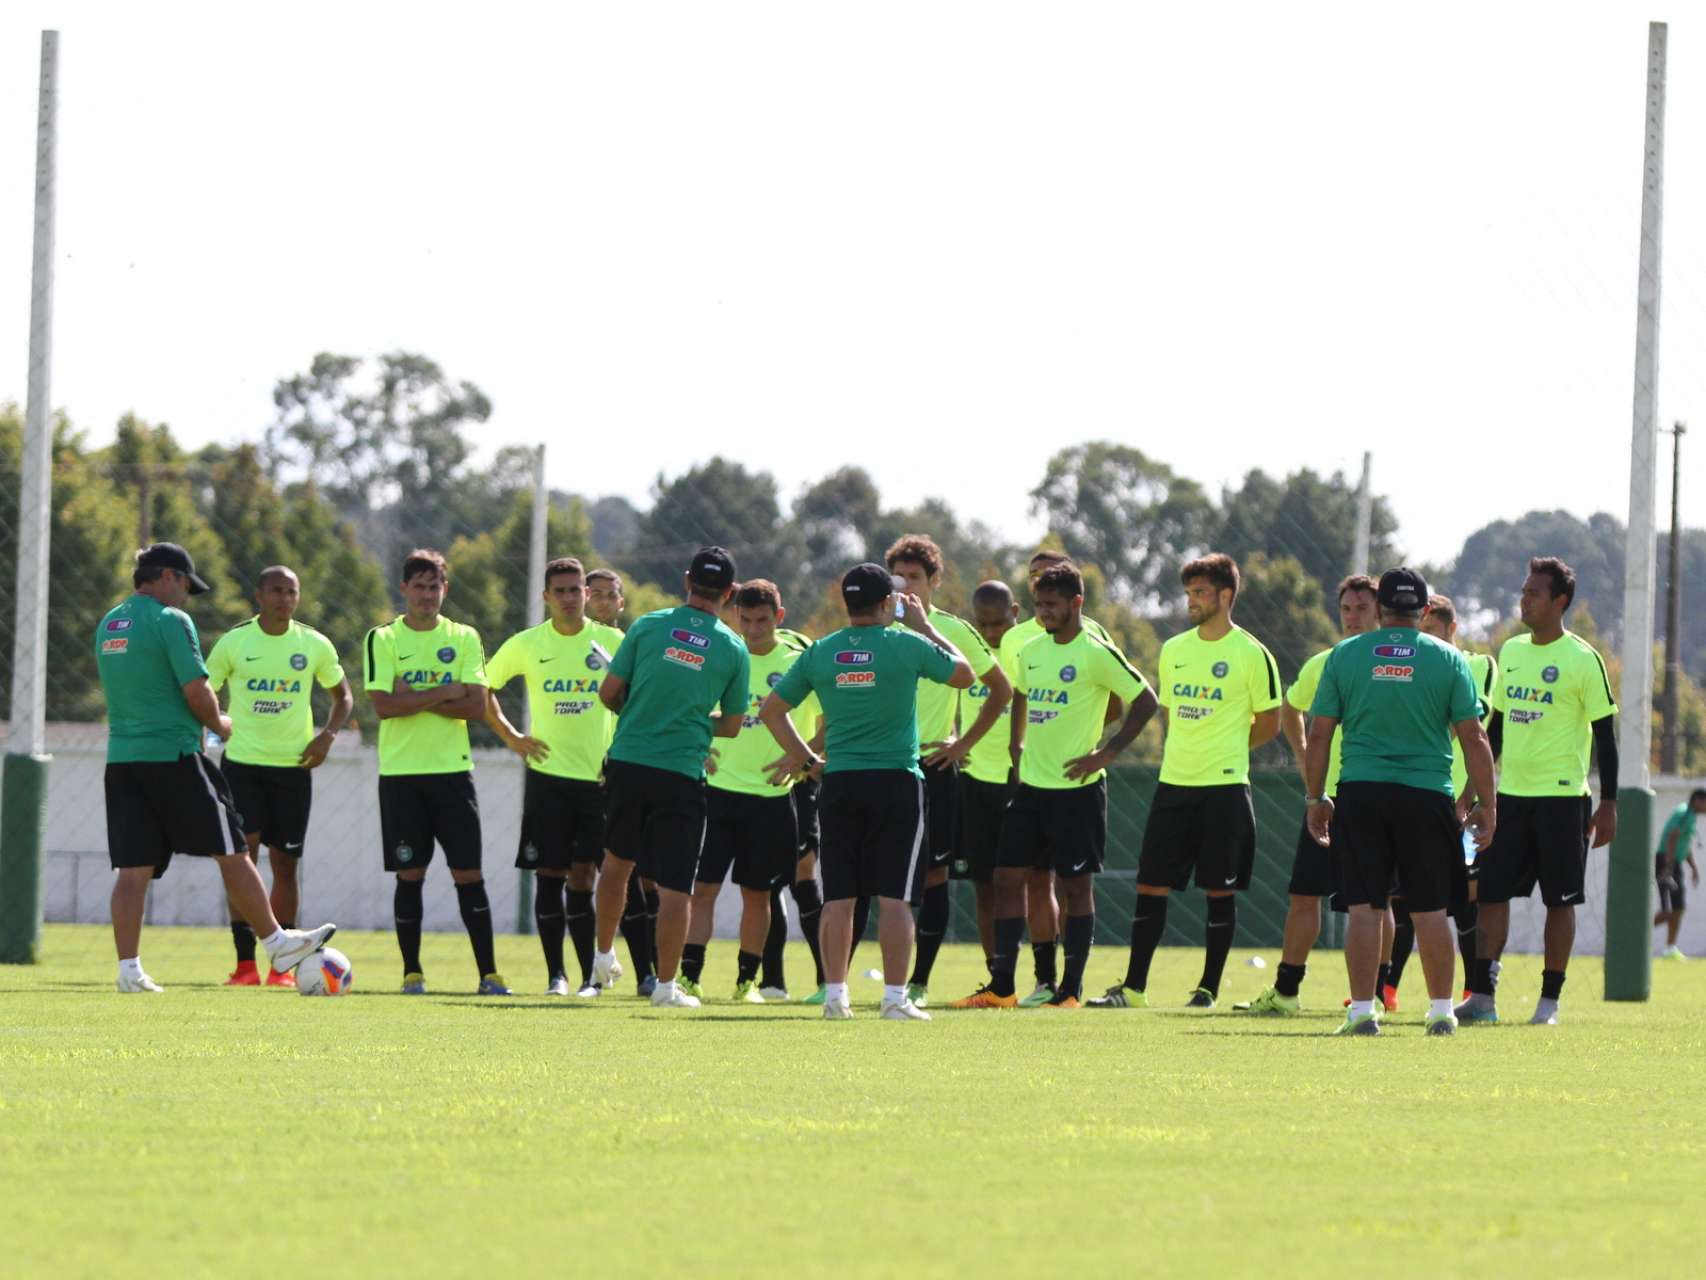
[272, 681]
[450, 653]
[1066, 689]
[741, 760]
[562, 674]
[991, 760]
[1213, 690]
[1021, 634]
[1485, 673]
[939, 705]
[1550, 695]
[1301, 694]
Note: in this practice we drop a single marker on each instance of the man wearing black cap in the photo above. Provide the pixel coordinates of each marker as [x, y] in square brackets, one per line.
[162, 794]
[679, 679]
[871, 807]
[1396, 696]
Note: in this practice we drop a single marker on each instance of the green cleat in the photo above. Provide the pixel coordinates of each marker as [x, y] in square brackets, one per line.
[692, 988]
[1119, 997]
[1443, 1025]
[414, 984]
[919, 995]
[747, 993]
[1359, 1024]
[816, 997]
[1042, 995]
[1201, 998]
[1271, 1002]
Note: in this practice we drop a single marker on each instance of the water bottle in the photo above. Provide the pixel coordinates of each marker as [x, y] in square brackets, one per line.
[211, 741]
[1469, 849]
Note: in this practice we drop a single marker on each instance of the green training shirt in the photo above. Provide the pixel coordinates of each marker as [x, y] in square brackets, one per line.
[271, 681]
[681, 664]
[1066, 689]
[991, 760]
[448, 654]
[1550, 695]
[561, 674]
[1213, 690]
[938, 704]
[866, 680]
[146, 654]
[1396, 693]
[1681, 821]
[1485, 673]
[741, 761]
[1301, 695]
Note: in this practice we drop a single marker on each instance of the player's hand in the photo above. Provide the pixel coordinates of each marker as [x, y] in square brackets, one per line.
[528, 748]
[1084, 766]
[1320, 818]
[1482, 822]
[314, 754]
[912, 611]
[1465, 805]
[1603, 828]
[224, 730]
[945, 754]
[711, 762]
[789, 767]
[1693, 873]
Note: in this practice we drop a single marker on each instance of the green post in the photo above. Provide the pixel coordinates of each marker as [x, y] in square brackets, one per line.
[23, 820]
[1629, 899]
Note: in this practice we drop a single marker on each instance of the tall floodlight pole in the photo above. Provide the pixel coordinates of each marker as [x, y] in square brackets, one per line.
[1673, 610]
[535, 615]
[1365, 517]
[1629, 883]
[23, 786]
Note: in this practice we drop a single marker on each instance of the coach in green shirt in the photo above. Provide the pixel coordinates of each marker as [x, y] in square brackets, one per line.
[1396, 696]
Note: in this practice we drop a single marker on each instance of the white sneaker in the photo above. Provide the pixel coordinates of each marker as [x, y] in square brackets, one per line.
[559, 986]
[835, 1009]
[1545, 1014]
[142, 982]
[299, 944]
[666, 995]
[1672, 952]
[904, 1011]
[606, 969]
[773, 993]
[588, 991]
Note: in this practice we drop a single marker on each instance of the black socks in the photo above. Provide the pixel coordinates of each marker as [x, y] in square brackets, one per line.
[693, 960]
[582, 921]
[406, 913]
[1009, 930]
[244, 939]
[809, 899]
[1148, 922]
[1222, 924]
[548, 921]
[1079, 933]
[476, 911]
[932, 928]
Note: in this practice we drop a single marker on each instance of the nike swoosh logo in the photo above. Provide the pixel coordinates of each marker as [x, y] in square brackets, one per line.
[1081, 865]
[251, 659]
[547, 659]
[1231, 880]
[1179, 665]
[404, 657]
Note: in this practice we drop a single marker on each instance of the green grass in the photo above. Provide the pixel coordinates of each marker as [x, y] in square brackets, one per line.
[240, 1132]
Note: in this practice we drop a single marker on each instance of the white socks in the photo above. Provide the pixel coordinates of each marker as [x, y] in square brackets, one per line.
[1439, 1008]
[275, 941]
[894, 995]
[131, 968]
[835, 993]
[1361, 1008]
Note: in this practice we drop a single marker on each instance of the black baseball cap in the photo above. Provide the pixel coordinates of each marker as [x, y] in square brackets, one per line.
[169, 555]
[712, 567]
[1403, 590]
[865, 585]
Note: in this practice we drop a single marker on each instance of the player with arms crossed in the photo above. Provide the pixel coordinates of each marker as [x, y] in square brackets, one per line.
[1065, 678]
[561, 663]
[1398, 696]
[271, 664]
[679, 679]
[871, 806]
[426, 677]
[1220, 690]
[1551, 703]
[163, 796]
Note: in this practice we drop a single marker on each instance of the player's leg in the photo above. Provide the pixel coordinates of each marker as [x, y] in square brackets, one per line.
[808, 901]
[1166, 859]
[1225, 833]
[285, 897]
[544, 847]
[624, 824]
[1024, 830]
[1507, 869]
[673, 837]
[138, 847]
[406, 834]
[860, 924]
[772, 972]
[1078, 824]
[251, 800]
[243, 933]
[1403, 944]
[764, 863]
[1078, 896]
[284, 831]
[1563, 856]
[754, 927]
[896, 829]
[550, 922]
[579, 919]
[455, 813]
[723, 835]
[1042, 921]
[941, 806]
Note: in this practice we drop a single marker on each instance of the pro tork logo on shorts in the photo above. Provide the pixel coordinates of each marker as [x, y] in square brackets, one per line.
[447, 654]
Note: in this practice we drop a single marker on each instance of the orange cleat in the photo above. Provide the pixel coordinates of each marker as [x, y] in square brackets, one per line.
[277, 979]
[984, 998]
[244, 975]
[1389, 998]
[1063, 1002]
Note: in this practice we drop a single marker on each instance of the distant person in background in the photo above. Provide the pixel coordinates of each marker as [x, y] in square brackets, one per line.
[163, 795]
[604, 602]
[1676, 846]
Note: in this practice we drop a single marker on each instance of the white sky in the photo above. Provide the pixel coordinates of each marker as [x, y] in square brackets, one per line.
[938, 240]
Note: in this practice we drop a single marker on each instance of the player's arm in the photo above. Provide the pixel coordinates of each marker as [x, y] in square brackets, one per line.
[988, 716]
[1264, 727]
[1478, 762]
[1142, 710]
[1296, 732]
[797, 757]
[528, 748]
[399, 700]
[1017, 717]
[204, 706]
[343, 704]
[963, 677]
[732, 717]
[470, 704]
[1316, 757]
[1603, 827]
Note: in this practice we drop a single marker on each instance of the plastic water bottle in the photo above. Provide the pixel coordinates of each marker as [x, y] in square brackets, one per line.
[211, 741]
[1469, 850]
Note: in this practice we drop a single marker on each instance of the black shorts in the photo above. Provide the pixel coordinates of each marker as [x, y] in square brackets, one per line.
[1385, 831]
[273, 801]
[1211, 829]
[1539, 840]
[805, 814]
[1314, 869]
[1672, 895]
[655, 818]
[983, 809]
[156, 808]
[873, 834]
[418, 810]
[756, 835]
[941, 804]
[562, 823]
[1063, 828]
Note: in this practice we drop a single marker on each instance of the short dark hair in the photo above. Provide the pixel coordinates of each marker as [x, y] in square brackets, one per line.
[993, 592]
[757, 593]
[1359, 582]
[1062, 579]
[1442, 607]
[916, 548]
[273, 571]
[143, 574]
[564, 564]
[1219, 568]
[1563, 577]
[606, 575]
[1050, 555]
[425, 560]
[1697, 795]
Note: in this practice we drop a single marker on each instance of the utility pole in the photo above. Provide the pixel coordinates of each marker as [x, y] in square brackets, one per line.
[1673, 609]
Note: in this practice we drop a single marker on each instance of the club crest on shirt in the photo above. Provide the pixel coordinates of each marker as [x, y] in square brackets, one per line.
[1068, 674]
[1550, 675]
[1219, 670]
[596, 659]
[298, 661]
[447, 654]
[773, 679]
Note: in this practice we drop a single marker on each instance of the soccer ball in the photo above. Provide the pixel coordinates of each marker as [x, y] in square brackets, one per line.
[325, 973]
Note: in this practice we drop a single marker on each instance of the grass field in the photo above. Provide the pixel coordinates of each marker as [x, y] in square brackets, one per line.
[237, 1132]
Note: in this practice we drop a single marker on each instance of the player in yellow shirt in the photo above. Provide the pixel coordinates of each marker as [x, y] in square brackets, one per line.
[1220, 690]
[271, 664]
[1551, 703]
[426, 677]
[561, 662]
[944, 741]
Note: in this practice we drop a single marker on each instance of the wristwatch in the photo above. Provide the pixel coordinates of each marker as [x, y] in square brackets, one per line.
[1317, 799]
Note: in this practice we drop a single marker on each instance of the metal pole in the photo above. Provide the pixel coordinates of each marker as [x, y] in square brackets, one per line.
[23, 785]
[1673, 609]
[1629, 887]
[1365, 517]
[536, 560]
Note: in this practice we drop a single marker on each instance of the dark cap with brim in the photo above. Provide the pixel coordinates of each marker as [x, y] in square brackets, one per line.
[1403, 590]
[713, 568]
[169, 555]
[865, 585]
